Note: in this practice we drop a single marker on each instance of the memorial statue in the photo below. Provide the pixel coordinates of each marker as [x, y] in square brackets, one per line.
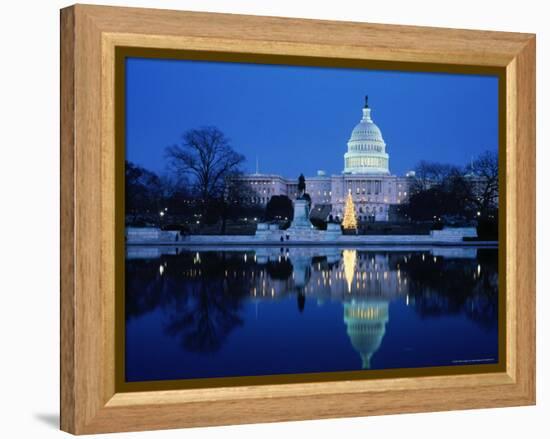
[301, 186]
[366, 101]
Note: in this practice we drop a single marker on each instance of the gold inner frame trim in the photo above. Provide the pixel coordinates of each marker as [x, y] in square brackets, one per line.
[122, 52]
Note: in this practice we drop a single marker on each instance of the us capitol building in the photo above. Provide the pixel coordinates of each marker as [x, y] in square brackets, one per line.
[366, 175]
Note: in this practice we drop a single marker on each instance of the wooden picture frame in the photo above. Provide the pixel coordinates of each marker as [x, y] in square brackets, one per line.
[90, 36]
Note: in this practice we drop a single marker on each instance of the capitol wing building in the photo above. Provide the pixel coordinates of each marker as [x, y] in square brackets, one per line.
[366, 175]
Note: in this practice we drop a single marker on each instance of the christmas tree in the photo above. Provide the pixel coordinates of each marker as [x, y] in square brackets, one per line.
[350, 221]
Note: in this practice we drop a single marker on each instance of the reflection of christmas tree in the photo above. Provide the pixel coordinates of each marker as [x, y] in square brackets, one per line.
[349, 266]
[350, 221]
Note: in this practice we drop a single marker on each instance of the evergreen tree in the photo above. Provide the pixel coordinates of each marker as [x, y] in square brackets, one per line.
[350, 220]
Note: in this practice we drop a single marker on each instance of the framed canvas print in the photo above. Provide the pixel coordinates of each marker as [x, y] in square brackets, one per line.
[268, 219]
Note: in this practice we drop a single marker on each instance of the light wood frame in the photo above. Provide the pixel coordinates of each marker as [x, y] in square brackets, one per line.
[89, 36]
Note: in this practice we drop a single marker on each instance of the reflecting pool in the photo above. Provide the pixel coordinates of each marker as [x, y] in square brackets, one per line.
[202, 313]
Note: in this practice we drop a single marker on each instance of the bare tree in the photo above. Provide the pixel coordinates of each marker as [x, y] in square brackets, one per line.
[237, 195]
[208, 158]
[429, 174]
[213, 167]
[485, 184]
[144, 191]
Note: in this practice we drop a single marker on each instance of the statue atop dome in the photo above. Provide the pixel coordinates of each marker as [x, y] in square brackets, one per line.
[366, 101]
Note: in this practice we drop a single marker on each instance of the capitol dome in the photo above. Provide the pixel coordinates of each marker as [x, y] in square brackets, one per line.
[366, 327]
[366, 148]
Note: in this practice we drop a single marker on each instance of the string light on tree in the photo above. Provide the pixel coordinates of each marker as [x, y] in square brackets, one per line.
[350, 220]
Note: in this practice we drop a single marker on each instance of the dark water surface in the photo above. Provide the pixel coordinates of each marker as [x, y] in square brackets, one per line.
[219, 313]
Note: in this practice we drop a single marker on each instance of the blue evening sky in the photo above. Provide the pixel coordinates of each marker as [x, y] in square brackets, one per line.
[299, 119]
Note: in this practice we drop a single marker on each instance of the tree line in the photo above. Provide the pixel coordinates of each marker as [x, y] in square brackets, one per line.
[202, 184]
[447, 193]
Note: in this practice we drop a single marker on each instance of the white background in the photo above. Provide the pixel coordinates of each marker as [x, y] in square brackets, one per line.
[29, 218]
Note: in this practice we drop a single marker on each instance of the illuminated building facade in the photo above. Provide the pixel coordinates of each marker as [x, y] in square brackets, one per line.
[366, 176]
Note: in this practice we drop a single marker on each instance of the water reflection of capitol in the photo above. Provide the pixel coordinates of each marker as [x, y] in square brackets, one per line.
[337, 274]
[363, 281]
[366, 326]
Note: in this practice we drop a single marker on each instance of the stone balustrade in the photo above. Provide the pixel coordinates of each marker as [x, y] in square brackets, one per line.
[269, 234]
